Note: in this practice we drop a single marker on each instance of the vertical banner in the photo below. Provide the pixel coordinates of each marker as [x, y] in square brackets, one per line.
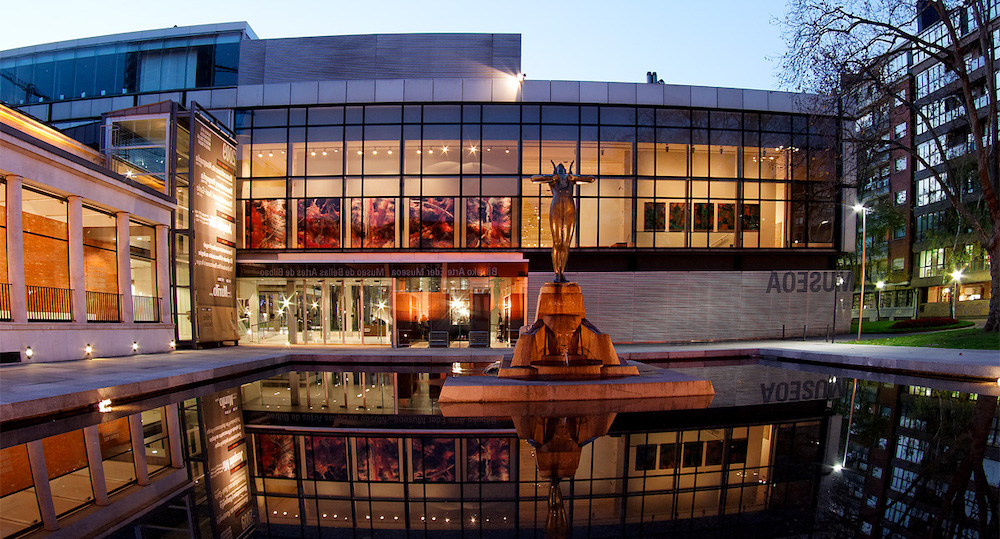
[213, 210]
[226, 454]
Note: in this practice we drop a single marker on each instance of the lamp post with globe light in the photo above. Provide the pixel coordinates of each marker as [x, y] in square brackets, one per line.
[956, 277]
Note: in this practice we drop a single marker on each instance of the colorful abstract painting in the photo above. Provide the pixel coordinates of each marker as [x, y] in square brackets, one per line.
[704, 216]
[751, 217]
[433, 459]
[488, 222]
[265, 224]
[319, 223]
[277, 455]
[326, 458]
[654, 216]
[432, 222]
[378, 459]
[373, 223]
[487, 459]
[727, 218]
[678, 216]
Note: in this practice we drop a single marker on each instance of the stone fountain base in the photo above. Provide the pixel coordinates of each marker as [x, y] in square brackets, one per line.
[650, 385]
[563, 357]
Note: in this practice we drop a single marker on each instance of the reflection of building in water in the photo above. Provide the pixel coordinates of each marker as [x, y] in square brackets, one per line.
[919, 461]
[320, 460]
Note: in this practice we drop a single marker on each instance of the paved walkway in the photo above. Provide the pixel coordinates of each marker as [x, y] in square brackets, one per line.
[39, 389]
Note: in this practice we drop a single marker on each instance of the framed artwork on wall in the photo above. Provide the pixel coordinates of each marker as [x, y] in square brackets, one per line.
[654, 216]
[678, 216]
[727, 218]
[704, 216]
[751, 217]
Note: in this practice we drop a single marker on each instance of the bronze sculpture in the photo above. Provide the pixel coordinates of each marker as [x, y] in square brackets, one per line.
[562, 214]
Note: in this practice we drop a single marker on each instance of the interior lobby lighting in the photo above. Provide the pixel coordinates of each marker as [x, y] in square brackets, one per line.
[28, 352]
[389, 152]
[419, 152]
[324, 152]
[313, 153]
[360, 152]
[270, 154]
[506, 150]
[444, 149]
[374, 152]
[472, 149]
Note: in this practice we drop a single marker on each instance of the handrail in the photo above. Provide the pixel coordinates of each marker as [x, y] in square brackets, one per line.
[103, 306]
[48, 304]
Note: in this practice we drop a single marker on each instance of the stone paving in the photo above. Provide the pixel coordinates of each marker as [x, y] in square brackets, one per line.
[36, 389]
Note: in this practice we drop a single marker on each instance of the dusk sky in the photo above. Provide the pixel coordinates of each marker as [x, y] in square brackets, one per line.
[713, 43]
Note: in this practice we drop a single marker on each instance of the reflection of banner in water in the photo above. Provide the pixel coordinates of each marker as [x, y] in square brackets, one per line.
[226, 455]
[326, 458]
[277, 455]
[488, 222]
[433, 459]
[488, 459]
[378, 459]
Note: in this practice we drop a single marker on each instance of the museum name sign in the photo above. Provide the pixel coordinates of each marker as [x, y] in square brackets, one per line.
[341, 271]
[808, 281]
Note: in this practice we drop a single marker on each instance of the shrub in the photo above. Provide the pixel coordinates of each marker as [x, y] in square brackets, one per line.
[932, 322]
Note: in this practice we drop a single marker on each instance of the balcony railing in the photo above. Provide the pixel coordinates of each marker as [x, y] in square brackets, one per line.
[46, 304]
[103, 307]
[5, 302]
[145, 309]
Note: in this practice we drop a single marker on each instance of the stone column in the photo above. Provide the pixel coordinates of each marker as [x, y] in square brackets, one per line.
[15, 252]
[174, 435]
[293, 388]
[138, 448]
[43, 491]
[92, 439]
[325, 310]
[291, 314]
[77, 265]
[163, 292]
[124, 267]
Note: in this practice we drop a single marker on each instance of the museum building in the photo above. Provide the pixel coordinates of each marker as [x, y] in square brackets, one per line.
[382, 187]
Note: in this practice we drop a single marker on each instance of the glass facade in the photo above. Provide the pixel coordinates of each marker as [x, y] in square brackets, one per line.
[431, 177]
[120, 68]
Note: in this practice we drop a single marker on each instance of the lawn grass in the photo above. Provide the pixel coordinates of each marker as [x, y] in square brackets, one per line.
[969, 339]
[885, 326]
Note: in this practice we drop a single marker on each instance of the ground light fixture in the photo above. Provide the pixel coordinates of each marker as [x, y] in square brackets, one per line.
[957, 277]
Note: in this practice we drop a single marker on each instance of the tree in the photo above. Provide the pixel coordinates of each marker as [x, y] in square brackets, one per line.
[860, 51]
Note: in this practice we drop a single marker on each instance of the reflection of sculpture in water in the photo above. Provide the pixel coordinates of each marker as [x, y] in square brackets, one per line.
[562, 214]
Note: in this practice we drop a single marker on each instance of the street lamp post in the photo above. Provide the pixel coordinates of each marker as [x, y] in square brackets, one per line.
[860, 208]
[836, 306]
[956, 277]
[878, 299]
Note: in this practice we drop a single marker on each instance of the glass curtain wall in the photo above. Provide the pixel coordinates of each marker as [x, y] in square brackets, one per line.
[428, 177]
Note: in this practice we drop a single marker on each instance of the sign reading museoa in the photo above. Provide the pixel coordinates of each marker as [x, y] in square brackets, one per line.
[213, 214]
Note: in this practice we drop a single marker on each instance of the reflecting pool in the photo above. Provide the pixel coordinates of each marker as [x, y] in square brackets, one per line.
[368, 452]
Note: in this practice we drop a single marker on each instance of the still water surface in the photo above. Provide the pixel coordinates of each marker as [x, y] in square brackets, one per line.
[778, 452]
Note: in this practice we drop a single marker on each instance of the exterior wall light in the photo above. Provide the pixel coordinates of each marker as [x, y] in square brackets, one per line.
[28, 352]
[173, 344]
[88, 350]
[135, 346]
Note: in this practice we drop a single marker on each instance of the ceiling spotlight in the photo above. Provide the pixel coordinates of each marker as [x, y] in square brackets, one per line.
[419, 152]
[389, 152]
[313, 153]
[360, 152]
[260, 154]
[374, 152]
[270, 154]
[324, 152]
[506, 150]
